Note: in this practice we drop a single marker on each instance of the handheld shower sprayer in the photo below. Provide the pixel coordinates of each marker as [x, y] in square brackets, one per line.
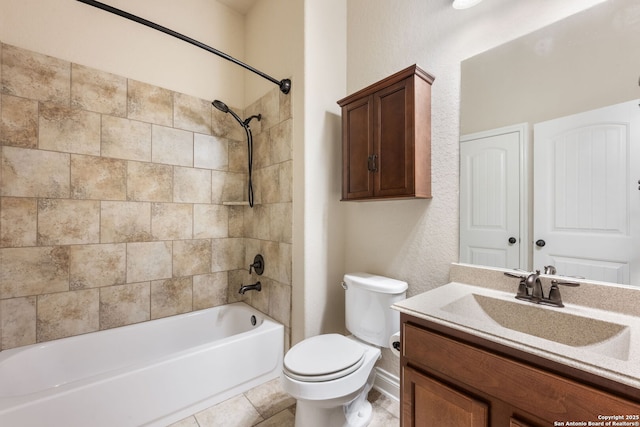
[245, 125]
[225, 109]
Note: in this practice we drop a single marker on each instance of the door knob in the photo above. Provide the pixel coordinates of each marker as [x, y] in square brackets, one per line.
[540, 243]
[512, 240]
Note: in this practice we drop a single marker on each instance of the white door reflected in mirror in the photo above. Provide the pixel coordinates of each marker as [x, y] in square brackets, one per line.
[586, 197]
[492, 198]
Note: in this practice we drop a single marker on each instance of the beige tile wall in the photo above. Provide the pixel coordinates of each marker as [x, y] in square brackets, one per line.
[112, 199]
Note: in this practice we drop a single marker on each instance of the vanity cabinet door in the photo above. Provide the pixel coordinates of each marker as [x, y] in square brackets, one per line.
[518, 423]
[430, 403]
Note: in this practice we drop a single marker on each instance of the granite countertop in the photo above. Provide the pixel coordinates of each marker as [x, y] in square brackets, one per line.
[603, 338]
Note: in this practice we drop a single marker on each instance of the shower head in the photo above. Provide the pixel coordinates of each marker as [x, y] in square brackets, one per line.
[223, 107]
[248, 119]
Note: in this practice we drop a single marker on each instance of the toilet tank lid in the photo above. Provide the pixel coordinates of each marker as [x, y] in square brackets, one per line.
[372, 282]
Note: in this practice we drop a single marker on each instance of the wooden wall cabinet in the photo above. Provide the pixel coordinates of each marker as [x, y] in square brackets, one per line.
[386, 138]
[449, 382]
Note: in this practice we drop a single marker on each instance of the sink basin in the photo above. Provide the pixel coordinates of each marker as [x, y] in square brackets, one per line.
[599, 336]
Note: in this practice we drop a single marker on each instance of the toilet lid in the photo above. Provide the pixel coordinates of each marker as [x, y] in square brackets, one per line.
[323, 358]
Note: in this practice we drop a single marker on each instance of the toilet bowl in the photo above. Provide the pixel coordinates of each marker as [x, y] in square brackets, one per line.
[331, 375]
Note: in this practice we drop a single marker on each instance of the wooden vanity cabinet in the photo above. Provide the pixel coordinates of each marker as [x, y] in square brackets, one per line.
[433, 403]
[447, 381]
[386, 138]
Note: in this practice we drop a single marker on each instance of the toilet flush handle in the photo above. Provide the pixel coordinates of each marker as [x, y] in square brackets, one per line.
[344, 286]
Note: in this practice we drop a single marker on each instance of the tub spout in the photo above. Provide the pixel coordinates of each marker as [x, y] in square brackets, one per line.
[255, 287]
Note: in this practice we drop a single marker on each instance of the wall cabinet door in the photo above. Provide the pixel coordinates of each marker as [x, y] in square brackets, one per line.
[430, 403]
[393, 144]
[357, 128]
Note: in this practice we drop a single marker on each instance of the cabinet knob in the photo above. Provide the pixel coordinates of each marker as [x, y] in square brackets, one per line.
[512, 240]
[540, 243]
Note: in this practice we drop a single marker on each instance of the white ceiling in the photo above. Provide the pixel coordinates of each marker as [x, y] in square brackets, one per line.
[241, 6]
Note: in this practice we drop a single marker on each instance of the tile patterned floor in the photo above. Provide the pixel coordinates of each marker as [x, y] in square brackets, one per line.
[269, 406]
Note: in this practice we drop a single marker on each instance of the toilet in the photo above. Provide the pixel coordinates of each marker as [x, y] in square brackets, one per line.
[330, 375]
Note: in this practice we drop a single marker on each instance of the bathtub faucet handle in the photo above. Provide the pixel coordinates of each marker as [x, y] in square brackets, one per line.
[258, 265]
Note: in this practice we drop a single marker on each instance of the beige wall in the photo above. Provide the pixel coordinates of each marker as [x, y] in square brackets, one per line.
[319, 221]
[113, 200]
[274, 44]
[85, 35]
[416, 240]
[575, 65]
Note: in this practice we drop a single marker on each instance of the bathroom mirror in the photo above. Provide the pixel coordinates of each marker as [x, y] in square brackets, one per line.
[580, 64]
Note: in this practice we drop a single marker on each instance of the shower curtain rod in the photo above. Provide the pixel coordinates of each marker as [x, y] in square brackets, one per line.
[285, 84]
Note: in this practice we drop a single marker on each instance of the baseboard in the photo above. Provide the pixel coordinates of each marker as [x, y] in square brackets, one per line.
[387, 384]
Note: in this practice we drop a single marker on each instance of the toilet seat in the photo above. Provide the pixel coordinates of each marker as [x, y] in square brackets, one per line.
[323, 358]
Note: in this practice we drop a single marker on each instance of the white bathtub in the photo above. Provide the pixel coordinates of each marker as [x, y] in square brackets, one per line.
[148, 374]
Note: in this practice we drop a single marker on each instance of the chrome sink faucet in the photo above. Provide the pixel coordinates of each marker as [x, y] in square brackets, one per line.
[533, 282]
[530, 288]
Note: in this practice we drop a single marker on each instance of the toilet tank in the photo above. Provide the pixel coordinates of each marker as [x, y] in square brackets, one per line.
[368, 299]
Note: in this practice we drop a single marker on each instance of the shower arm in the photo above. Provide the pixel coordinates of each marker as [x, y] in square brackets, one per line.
[285, 84]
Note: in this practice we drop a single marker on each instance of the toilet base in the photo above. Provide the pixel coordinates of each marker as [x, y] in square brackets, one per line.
[354, 412]
[312, 416]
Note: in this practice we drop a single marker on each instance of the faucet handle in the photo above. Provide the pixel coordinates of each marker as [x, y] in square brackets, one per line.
[517, 276]
[258, 265]
[554, 292]
[554, 295]
[522, 287]
[555, 282]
